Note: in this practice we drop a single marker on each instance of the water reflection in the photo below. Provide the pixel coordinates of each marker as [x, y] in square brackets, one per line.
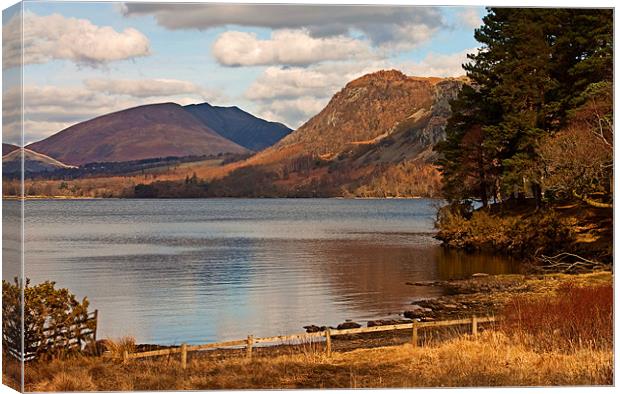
[452, 264]
[170, 271]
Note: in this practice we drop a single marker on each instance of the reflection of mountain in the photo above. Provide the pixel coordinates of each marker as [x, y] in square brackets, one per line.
[453, 264]
[12, 241]
[372, 278]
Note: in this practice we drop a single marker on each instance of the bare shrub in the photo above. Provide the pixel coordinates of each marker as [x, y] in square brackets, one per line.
[574, 318]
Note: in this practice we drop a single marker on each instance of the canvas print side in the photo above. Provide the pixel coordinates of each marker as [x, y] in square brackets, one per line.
[12, 201]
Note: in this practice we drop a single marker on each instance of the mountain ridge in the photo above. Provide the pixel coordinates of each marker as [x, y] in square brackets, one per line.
[239, 126]
[142, 132]
[374, 138]
[34, 162]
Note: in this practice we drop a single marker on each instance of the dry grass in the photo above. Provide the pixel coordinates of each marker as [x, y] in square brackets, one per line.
[11, 372]
[492, 359]
[568, 343]
[574, 317]
[116, 348]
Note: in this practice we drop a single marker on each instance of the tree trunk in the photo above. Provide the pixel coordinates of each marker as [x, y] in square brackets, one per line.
[591, 202]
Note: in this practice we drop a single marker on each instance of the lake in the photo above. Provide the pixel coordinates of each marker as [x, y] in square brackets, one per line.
[204, 270]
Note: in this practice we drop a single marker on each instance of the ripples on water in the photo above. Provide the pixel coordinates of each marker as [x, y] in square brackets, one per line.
[169, 271]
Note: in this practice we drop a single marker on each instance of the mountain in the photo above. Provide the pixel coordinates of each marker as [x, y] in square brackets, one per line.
[8, 148]
[374, 138]
[149, 131]
[239, 126]
[365, 110]
[33, 162]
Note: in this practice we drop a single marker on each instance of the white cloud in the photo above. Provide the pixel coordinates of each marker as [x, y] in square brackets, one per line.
[49, 109]
[384, 26]
[294, 94]
[470, 17]
[317, 80]
[438, 65]
[55, 37]
[291, 47]
[293, 112]
[142, 88]
[409, 36]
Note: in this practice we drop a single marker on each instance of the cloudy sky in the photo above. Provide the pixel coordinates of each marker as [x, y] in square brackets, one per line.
[280, 62]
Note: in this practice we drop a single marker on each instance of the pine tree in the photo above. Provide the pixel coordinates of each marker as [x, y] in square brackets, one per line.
[530, 71]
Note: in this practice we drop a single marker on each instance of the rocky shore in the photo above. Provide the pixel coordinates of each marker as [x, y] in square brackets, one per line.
[480, 295]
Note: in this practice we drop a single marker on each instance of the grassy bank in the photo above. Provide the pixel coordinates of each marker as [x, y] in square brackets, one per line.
[493, 359]
[558, 331]
[519, 228]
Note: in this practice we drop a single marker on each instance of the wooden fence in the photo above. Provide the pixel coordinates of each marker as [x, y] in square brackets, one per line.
[53, 340]
[250, 341]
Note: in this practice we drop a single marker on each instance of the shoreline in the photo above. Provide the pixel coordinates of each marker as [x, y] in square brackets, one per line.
[443, 357]
[481, 295]
[17, 198]
[34, 198]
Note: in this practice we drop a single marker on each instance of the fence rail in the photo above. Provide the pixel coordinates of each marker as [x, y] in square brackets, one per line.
[250, 341]
[72, 336]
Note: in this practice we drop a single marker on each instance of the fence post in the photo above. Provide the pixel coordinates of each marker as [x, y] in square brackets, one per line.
[474, 325]
[250, 343]
[184, 355]
[328, 342]
[125, 356]
[414, 334]
[96, 317]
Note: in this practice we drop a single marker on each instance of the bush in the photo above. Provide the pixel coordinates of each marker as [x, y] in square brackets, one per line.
[572, 319]
[543, 232]
[53, 320]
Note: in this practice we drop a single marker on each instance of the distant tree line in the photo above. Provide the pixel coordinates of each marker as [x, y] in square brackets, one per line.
[122, 167]
[537, 117]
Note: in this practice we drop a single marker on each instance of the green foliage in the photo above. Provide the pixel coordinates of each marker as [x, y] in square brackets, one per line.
[52, 320]
[527, 79]
[541, 233]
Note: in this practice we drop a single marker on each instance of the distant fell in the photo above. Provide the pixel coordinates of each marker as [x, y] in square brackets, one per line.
[239, 126]
[8, 148]
[365, 110]
[33, 162]
[148, 131]
[374, 138]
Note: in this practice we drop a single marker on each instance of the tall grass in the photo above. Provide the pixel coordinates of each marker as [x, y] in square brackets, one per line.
[491, 359]
[575, 317]
[559, 338]
[116, 348]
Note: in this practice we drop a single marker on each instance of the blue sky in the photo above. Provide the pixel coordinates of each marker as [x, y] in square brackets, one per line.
[281, 62]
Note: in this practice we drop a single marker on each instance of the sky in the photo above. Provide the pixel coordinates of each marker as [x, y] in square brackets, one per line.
[279, 62]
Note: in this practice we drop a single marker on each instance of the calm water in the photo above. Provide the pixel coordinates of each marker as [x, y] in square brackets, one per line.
[168, 271]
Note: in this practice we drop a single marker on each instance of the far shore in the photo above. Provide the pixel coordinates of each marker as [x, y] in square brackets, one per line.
[40, 197]
[18, 198]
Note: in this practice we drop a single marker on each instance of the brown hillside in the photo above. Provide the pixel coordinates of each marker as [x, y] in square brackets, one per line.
[148, 131]
[366, 108]
[8, 148]
[374, 138]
